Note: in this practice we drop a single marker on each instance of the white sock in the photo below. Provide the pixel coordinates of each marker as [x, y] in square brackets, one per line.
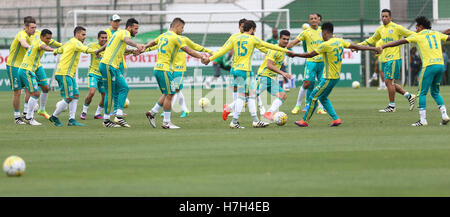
[259, 101]
[320, 104]
[106, 116]
[119, 113]
[275, 105]
[31, 104]
[423, 115]
[235, 97]
[301, 96]
[99, 110]
[181, 101]
[406, 95]
[443, 112]
[16, 114]
[167, 116]
[60, 106]
[231, 106]
[252, 106]
[25, 107]
[156, 108]
[239, 105]
[43, 101]
[85, 108]
[73, 108]
[383, 85]
[174, 98]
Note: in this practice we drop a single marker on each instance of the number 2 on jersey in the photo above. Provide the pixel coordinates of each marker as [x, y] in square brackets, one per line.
[161, 47]
[242, 46]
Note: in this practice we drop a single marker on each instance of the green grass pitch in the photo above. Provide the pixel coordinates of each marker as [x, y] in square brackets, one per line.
[370, 154]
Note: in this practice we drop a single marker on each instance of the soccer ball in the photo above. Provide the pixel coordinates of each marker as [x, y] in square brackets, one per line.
[203, 102]
[14, 166]
[280, 118]
[356, 84]
[305, 26]
[127, 102]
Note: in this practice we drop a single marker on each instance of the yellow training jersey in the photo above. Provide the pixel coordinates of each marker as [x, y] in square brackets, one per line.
[115, 49]
[388, 33]
[16, 51]
[429, 45]
[95, 61]
[168, 45]
[332, 51]
[109, 33]
[313, 39]
[179, 63]
[69, 60]
[243, 46]
[278, 59]
[378, 44]
[31, 60]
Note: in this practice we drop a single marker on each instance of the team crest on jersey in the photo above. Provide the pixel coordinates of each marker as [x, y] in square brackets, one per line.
[391, 31]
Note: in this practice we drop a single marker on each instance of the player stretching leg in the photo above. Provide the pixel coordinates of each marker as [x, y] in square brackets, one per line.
[95, 78]
[28, 68]
[243, 47]
[65, 75]
[332, 50]
[429, 44]
[313, 66]
[267, 75]
[167, 43]
[391, 62]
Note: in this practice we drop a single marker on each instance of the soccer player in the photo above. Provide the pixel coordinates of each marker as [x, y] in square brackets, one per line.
[332, 50]
[429, 45]
[111, 73]
[243, 46]
[169, 44]
[115, 24]
[17, 51]
[27, 71]
[313, 66]
[65, 75]
[95, 78]
[267, 75]
[391, 62]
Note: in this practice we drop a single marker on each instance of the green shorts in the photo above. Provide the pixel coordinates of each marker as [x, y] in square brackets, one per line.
[392, 69]
[233, 74]
[67, 86]
[165, 81]
[41, 77]
[178, 79]
[313, 71]
[28, 80]
[96, 82]
[269, 84]
[14, 78]
[245, 81]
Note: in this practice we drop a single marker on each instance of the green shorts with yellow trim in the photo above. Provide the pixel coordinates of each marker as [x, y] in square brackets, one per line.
[165, 81]
[41, 77]
[392, 69]
[28, 80]
[271, 85]
[14, 78]
[245, 81]
[96, 82]
[67, 86]
[313, 71]
[178, 79]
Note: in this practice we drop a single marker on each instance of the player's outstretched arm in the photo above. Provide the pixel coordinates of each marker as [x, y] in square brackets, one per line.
[196, 46]
[293, 43]
[46, 48]
[132, 43]
[149, 45]
[222, 51]
[191, 52]
[271, 66]
[360, 47]
[54, 43]
[394, 43]
[306, 55]
[271, 46]
[447, 32]
[24, 43]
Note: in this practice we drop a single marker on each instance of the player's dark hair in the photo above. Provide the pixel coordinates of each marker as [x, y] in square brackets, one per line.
[423, 21]
[241, 21]
[386, 10]
[249, 24]
[28, 19]
[78, 29]
[327, 26]
[285, 32]
[101, 33]
[131, 22]
[45, 32]
[176, 21]
[319, 15]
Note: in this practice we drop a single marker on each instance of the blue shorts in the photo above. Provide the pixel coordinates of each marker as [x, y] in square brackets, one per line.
[28, 80]
[96, 82]
[313, 71]
[165, 81]
[41, 77]
[178, 79]
[269, 84]
[392, 69]
[14, 78]
[67, 86]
